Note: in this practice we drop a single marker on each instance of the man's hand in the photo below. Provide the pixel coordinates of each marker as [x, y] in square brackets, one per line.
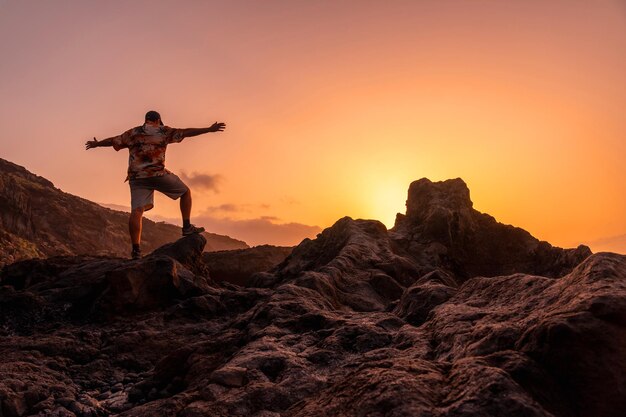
[98, 143]
[91, 144]
[217, 127]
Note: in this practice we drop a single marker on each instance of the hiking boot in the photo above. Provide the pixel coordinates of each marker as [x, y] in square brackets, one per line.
[135, 254]
[192, 229]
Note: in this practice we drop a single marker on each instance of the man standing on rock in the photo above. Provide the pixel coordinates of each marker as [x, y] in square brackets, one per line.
[146, 170]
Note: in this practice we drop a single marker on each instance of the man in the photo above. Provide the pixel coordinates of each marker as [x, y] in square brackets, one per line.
[146, 170]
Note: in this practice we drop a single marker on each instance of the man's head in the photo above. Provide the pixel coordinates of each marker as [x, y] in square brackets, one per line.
[153, 117]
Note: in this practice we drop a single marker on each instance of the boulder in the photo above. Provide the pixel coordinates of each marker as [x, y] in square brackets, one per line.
[187, 251]
[155, 282]
[229, 376]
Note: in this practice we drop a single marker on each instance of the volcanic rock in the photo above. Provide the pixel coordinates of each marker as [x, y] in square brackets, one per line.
[442, 229]
[230, 376]
[357, 322]
[238, 266]
[353, 263]
[82, 286]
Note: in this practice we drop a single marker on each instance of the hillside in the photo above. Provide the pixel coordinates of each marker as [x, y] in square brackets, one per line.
[39, 220]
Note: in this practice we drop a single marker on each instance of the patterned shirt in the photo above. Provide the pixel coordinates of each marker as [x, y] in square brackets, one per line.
[146, 146]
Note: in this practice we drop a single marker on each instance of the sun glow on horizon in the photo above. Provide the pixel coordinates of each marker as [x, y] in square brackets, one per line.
[386, 198]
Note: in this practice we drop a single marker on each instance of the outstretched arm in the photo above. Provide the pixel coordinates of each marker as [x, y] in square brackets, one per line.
[216, 127]
[97, 144]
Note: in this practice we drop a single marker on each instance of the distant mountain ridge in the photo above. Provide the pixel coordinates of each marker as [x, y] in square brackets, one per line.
[39, 220]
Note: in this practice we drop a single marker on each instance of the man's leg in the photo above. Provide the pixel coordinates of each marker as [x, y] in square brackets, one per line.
[134, 226]
[185, 211]
[141, 199]
[185, 207]
[170, 185]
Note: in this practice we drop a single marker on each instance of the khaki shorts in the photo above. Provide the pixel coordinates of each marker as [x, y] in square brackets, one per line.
[142, 189]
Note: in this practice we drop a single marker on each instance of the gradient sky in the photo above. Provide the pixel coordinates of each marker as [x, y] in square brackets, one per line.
[332, 107]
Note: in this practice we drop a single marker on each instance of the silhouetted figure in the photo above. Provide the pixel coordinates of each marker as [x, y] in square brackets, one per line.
[146, 170]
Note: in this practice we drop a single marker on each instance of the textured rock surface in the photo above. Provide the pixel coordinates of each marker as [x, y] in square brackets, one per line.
[38, 220]
[238, 266]
[357, 322]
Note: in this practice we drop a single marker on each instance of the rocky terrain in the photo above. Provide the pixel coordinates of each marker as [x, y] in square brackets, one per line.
[239, 266]
[450, 313]
[39, 220]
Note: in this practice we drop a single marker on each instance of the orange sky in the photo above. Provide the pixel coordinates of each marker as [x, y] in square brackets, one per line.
[332, 108]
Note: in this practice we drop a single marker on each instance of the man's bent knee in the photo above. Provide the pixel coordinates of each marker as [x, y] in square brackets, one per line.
[137, 211]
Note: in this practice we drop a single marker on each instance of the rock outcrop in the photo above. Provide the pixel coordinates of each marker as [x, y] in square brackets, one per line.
[39, 220]
[442, 229]
[357, 322]
[93, 287]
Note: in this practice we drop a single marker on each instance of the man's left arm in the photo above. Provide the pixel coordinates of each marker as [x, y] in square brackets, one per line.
[216, 127]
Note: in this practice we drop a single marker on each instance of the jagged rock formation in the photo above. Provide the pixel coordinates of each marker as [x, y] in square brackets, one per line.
[440, 228]
[39, 220]
[358, 322]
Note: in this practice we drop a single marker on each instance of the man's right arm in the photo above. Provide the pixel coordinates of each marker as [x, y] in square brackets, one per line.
[117, 142]
[98, 143]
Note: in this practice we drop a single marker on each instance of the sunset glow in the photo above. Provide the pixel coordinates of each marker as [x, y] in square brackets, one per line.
[332, 108]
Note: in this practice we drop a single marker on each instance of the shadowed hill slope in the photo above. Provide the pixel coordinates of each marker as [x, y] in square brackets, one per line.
[39, 220]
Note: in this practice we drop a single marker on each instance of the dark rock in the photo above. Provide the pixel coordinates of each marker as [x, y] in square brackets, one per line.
[238, 266]
[419, 300]
[230, 376]
[430, 319]
[441, 229]
[349, 263]
[187, 251]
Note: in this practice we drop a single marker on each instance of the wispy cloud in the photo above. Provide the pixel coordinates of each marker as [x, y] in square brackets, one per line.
[260, 231]
[234, 208]
[609, 244]
[270, 218]
[230, 208]
[256, 231]
[202, 181]
[289, 201]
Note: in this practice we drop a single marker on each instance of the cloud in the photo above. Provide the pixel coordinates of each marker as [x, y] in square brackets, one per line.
[234, 208]
[290, 201]
[270, 218]
[222, 207]
[202, 181]
[615, 244]
[257, 231]
[260, 230]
